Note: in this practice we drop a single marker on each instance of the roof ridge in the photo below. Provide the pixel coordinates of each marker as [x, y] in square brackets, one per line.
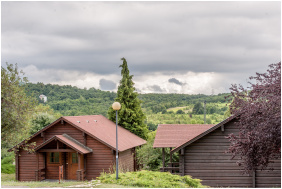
[77, 142]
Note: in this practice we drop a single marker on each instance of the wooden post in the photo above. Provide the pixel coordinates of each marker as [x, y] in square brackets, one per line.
[79, 162]
[182, 167]
[163, 158]
[61, 173]
[17, 164]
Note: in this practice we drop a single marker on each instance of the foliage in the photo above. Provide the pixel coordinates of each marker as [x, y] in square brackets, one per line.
[39, 121]
[151, 158]
[7, 165]
[198, 108]
[259, 112]
[151, 179]
[72, 101]
[43, 116]
[16, 106]
[159, 102]
[155, 119]
[180, 112]
[130, 116]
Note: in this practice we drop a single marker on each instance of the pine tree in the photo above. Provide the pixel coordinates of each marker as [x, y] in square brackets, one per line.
[130, 116]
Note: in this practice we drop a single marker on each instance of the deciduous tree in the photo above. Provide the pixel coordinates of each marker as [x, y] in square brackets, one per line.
[259, 111]
[16, 107]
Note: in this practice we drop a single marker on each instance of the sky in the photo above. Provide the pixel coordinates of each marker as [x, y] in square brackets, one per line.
[184, 47]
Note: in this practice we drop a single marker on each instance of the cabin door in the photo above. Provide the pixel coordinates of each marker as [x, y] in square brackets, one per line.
[72, 165]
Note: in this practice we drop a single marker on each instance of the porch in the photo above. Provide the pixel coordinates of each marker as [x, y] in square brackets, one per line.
[172, 167]
[61, 157]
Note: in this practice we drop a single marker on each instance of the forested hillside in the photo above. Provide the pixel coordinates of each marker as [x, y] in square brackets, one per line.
[71, 101]
[159, 108]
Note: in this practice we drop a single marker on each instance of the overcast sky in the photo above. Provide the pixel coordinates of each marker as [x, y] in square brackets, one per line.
[171, 47]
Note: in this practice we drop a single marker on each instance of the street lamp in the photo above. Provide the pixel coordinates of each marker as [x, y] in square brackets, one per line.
[116, 106]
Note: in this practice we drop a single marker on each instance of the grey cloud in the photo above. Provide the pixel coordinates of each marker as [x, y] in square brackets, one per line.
[173, 80]
[223, 37]
[107, 85]
[156, 89]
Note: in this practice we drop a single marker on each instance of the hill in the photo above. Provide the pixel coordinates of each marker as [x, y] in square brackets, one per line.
[159, 108]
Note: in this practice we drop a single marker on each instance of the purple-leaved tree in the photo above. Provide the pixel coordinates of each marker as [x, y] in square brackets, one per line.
[259, 111]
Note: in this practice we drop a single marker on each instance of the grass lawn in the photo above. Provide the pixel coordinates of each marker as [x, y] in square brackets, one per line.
[9, 180]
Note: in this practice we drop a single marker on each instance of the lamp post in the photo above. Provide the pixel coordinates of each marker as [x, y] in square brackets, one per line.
[116, 106]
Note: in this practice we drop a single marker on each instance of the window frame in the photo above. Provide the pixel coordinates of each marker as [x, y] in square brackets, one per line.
[50, 156]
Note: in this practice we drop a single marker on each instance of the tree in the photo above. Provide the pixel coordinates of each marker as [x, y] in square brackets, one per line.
[198, 108]
[259, 113]
[130, 116]
[180, 112]
[16, 106]
[43, 116]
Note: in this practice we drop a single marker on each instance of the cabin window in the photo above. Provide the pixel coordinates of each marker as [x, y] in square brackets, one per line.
[74, 158]
[54, 157]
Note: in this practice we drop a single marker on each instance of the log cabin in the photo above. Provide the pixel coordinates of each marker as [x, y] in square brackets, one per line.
[202, 154]
[83, 145]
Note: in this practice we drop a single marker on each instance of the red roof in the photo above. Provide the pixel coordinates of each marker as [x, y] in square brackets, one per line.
[100, 128]
[69, 141]
[104, 130]
[173, 135]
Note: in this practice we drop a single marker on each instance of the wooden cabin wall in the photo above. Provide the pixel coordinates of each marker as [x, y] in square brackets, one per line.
[101, 159]
[270, 177]
[126, 160]
[27, 162]
[60, 129]
[206, 159]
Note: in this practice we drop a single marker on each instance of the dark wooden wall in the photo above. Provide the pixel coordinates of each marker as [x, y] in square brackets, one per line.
[206, 159]
[101, 159]
[27, 163]
[126, 160]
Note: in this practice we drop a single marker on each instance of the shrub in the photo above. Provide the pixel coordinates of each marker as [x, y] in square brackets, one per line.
[7, 165]
[151, 179]
[8, 168]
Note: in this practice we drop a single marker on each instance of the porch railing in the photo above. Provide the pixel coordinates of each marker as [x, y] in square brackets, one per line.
[172, 168]
[81, 174]
[39, 174]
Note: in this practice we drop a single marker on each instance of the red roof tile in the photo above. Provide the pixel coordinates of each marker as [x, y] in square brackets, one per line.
[173, 135]
[104, 130]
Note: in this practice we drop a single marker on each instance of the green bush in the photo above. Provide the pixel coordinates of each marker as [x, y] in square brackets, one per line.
[7, 168]
[7, 165]
[151, 179]
[8, 160]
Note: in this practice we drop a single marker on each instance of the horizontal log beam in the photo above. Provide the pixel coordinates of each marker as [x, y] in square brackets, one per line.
[56, 150]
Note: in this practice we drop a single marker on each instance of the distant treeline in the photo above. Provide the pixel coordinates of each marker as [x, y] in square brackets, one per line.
[159, 102]
[71, 100]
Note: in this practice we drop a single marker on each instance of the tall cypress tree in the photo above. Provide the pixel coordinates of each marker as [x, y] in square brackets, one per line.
[130, 116]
